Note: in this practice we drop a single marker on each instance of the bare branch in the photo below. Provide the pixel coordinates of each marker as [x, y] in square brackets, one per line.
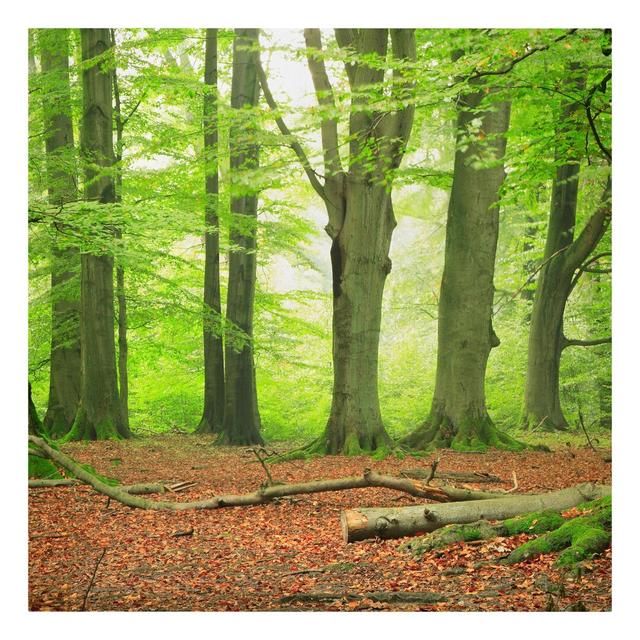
[566, 342]
[292, 140]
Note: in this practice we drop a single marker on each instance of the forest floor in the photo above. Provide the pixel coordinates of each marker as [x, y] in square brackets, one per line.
[249, 558]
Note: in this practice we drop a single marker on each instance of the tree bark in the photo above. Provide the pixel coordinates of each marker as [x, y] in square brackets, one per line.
[562, 257]
[64, 377]
[459, 417]
[99, 415]
[361, 524]
[214, 399]
[361, 221]
[241, 425]
[123, 346]
[35, 424]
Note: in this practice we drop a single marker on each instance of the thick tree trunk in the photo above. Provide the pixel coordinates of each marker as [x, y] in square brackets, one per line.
[241, 424]
[213, 412]
[459, 417]
[360, 262]
[361, 220]
[99, 415]
[361, 524]
[64, 380]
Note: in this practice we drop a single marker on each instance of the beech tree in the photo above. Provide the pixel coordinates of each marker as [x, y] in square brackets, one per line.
[64, 379]
[566, 258]
[458, 416]
[357, 197]
[99, 415]
[214, 399]
[241, 423]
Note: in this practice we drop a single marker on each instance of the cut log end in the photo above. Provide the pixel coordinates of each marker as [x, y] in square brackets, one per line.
[354, 525]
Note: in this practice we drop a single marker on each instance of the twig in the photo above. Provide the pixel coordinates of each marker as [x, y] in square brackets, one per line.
[585, 430]
[434, 466]
[302, 571]
[515, 483]
[93, 577]
[539, 424]
[256, 453]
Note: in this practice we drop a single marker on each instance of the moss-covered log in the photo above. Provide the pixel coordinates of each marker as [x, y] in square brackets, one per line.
[577, 538]
[361, 524]
[537, 522]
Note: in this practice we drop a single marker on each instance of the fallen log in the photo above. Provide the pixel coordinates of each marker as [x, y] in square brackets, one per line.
[361, 524]
[266, 493]
[133, 489]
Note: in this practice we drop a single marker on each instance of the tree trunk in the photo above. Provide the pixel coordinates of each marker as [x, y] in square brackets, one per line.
[361, 220]
[360, 262]
[562, 257]
[123, 346]
[64, 380]
[361, 524]
[459, 417]
[213, 413]
[241, 424]
[99, 416]
[35, 424]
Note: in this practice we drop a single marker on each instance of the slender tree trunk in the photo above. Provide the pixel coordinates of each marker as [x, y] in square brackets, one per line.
[459, 417]
[213, 413]
[35, 425]
[241, 416]
[99, 415]
[123, 346]
[562, 257]
[64, 381]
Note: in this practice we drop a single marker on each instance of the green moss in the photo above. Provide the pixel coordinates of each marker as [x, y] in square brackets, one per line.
[106, 430]
[105, 479]
[578, 538]
[40, 467]
[539, 522]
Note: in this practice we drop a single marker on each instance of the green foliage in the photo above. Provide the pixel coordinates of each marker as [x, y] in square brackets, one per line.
[161, 216]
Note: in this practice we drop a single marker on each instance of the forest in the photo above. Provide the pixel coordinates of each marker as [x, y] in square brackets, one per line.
[342, 297]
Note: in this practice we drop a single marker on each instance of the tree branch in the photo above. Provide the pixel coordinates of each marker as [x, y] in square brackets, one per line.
[324, 95]
[602, 86]
[593, 230]
[512, 63]
[292, 140]
[566, 342]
